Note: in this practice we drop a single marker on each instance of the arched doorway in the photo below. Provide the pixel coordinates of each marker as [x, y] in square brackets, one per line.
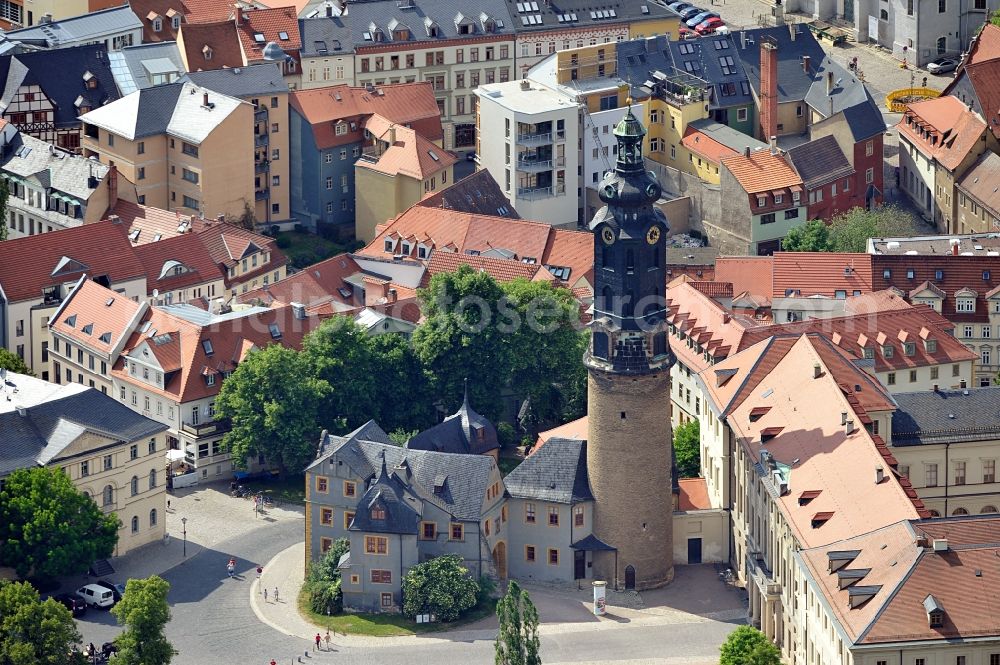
[500, 559]
[629, 578]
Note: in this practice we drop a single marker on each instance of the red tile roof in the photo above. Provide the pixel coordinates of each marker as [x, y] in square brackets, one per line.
[762, 172]
[189, 252]
[985, 79]
[98, 315]
[957, 273]
[693, 494]
[502, 270]
[986, 46]
[408, 154]
[820, 273]
[954, 129]
[452, 231]
[228, 244]
[705, 146]
[209, 11]
[402, 103]
[148, 224]
[28, 265]
[319, 283]
[753, 274]
[272, 24]
[145, 10]
[197, 40]
[576, 429]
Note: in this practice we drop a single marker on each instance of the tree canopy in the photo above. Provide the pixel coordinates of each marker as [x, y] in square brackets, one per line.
[144, 612]
[813, 236]
[850, 231]
[517, 640]
[441, 586]
[272, 401]
[33, 631]
[13, 362]
[50, 529]
[687, 449]
[748, 646]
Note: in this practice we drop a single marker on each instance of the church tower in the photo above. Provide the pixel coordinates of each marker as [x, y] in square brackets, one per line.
[629, 444]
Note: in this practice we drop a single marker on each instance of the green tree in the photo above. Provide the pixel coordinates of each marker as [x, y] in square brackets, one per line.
[748, 646]
[460, 334]
[325, 570]
[323, 582]
[850, 231]
[995, 17]
[144, 612]
[441, 586]
[402, 394]
[339, 353]
[272, 402]
[687, 449]
[813, 236]
[49, 529]
[400, 436]
[517, 641]
[12, 362]
[33, 632]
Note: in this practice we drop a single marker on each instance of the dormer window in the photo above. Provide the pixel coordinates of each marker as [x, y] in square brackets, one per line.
[868, 353]
[206, 51]
[909, 349]
[965, 305]
[176, 22]
[378, 513]
[887, 351]
[157, 24]
[389, 245]
[935, 612]
[210, 379]
[761, 201]
[931, 345]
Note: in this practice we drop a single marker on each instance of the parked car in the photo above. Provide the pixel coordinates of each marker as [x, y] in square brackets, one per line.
[679, 6]
[942, 66]
[73, 603]
[96, 596]
[709, 26]
[688, 12]
[700, 18]
[117, 590]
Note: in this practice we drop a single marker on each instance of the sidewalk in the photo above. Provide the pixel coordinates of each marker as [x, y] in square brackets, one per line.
[286, 571]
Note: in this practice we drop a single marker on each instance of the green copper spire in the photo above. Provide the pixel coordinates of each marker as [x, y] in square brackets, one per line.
[629, 133]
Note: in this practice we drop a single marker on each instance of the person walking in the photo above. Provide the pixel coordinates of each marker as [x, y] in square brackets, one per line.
[275, 594]
[327, 638]
[265, 594]
[318, 639]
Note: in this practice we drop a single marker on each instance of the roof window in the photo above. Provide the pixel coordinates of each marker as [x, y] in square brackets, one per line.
[275, 330]
[206, 344]
[258, 37]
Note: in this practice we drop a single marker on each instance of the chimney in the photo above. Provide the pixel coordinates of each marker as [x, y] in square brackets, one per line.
[792, 30]
[843, 417]
[743, 40]
[940, 544]
[114, 219]
[768, 89]
[817, 371]
[829, 83]
[774, 145]
[21, 411]
[525, 84]
[849, 427]
[391, 296]
[112, 186]
[805, 63]
[921, 541]
[392, 134]
[879, 475]
[746, 152]
[954, 246]
[46, 17]
[204, 100]
[298, 310]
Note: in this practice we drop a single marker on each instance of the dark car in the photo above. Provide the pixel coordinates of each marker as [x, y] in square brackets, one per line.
[117, 590]
[73, 603]
[679, 5]
[698, 19]
[689, 12]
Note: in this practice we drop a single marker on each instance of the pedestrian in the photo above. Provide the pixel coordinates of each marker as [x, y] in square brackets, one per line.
[318, 639]
[272, 662]
[168, 505]
[275, 594]
[327, 638]
[265, 594]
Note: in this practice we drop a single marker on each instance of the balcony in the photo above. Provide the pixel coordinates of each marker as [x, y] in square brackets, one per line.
[260, 114]
[262, 195]
[541, 138]
[260, 140]
[262, 167]
[534, 165]
[213, 428]
[530, 193]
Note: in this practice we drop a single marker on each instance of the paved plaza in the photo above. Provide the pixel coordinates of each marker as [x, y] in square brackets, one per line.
[222, 620]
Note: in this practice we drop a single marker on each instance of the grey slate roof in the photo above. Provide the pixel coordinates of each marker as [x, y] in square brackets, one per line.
[60, 73]
[793, 82]
[463, 432]
[85, 27]
[133, 66]
[349, 30]
[389, 493]
[478, 193]
[819, 162]
[537, 15]
[845, 89]
[466, 477]
[45, 430]
[57, 170]
[556, 472]
[865, 119]
[946, 416]
[240, 82]
[727, 136]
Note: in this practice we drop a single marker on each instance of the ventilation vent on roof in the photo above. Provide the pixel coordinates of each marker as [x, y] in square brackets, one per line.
[819, 519]
[859, 595]
[808, 496]
[850, 577]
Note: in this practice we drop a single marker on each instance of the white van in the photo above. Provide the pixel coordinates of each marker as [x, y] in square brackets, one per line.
[96, 596]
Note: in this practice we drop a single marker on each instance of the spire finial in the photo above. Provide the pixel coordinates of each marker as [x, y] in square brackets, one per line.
[465, 400]
[382, 472]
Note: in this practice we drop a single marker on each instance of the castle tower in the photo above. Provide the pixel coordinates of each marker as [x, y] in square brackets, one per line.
[629, 444]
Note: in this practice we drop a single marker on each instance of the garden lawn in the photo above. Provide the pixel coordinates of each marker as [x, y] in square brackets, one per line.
[290, 489]
[305, 249]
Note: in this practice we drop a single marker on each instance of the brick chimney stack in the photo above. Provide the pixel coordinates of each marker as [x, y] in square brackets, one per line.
[768, 89]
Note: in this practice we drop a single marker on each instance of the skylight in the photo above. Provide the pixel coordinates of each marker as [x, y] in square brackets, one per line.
[275, 330]
[258, 37]
[88, 329]
[434, 155]
[283, 35]
[106, 337]
[207, 346]
[71, 321]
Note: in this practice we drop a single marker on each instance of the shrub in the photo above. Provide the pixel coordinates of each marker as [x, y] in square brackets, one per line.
[325, 570]
[748, 646]
[283, 241]
[326, 597]
[506, 434]
[441, 586]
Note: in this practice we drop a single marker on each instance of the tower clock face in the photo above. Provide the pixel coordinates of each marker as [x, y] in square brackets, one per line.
[610, 191]
[607, 235]
[653, 235]
[653, 190]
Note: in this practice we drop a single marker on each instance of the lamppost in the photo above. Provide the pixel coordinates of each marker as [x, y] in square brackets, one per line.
[184, 525]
